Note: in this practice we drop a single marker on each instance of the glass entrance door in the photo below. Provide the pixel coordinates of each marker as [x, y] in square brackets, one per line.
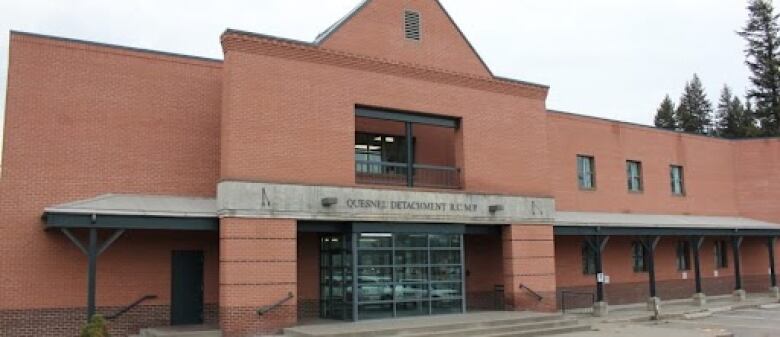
[336, 277]
[409, 274]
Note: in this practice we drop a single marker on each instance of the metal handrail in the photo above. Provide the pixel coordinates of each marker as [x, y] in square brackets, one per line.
[130, 306]
[538, 297]
[263, 310]
[403, 165]
[565, 292]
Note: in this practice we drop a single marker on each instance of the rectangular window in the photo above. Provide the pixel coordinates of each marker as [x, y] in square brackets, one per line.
[639, 255]
[721, 254]
[586, 173]
[588, 259]
[374, 151]
[683, 255]
[634, 173]
[676, 175]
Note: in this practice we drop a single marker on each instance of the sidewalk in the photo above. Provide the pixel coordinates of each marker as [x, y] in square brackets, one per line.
[681, 308]
[633, 330]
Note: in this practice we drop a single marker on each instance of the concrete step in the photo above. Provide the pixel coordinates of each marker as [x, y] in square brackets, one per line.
[468, 327]
[545, 332]
[183, 331]
[492, 329]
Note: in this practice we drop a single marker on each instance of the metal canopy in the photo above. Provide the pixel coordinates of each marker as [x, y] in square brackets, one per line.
[123, 211]
[592, 223]
[400, 116]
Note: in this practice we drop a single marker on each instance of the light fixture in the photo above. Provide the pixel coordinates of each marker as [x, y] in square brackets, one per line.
[495, 208]
[330, 201]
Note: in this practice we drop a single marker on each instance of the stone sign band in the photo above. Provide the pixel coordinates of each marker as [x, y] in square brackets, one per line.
[269, 200]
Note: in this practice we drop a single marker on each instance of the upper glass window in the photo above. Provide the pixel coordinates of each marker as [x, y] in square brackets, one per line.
[676, 176]
[634, 173]
[372, 150]
[586, 172]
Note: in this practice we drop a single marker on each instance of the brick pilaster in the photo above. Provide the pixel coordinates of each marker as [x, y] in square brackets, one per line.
[257, 268]
[529, 260]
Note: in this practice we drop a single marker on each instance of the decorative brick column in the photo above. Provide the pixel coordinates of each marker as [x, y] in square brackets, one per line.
[529, 267]
[257, 268]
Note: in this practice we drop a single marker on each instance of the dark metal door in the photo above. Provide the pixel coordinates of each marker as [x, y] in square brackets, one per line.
[187, 287]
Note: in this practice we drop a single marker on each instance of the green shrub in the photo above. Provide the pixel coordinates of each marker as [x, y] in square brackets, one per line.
[95, 328]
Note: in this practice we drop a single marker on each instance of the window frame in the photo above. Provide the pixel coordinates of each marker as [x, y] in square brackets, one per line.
[383, 150]
[639, 176]
[721, 254]
[681, 180]
[588, 259]
[639, 253]
[580, 173]
[683, 255]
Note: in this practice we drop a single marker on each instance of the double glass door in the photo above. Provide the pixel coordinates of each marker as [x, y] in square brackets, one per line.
[398, 275]
[409, 274]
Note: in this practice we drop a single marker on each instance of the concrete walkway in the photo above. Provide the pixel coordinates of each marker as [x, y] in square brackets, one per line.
[682, 308]
[634, 330]
[378, 326]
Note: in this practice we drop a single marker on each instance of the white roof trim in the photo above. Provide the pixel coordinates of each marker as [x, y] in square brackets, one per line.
[590, 219]
[141, 205]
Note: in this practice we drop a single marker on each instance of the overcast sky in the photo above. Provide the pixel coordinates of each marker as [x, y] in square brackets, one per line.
[608, 58]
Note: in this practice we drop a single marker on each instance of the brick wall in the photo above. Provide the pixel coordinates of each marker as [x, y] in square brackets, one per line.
[758, 178]
[83, 120]
[322, 87]
[257, 269]
[529, 263]
[708, 168]
[377, 30]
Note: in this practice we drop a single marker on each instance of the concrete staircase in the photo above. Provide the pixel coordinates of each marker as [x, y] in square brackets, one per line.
[487, 327]
[180, 331]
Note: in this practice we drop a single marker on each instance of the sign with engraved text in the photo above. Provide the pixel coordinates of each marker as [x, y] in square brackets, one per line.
[269, 200]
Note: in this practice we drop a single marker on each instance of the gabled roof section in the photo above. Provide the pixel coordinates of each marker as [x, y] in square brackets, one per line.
[375, 28]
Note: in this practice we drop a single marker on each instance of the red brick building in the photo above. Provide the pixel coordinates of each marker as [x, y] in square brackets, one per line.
[380, 171]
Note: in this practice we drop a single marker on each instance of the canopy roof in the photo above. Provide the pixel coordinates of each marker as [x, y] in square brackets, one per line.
[585, 223]
[132, 211]
[175, 212]
[134, 204]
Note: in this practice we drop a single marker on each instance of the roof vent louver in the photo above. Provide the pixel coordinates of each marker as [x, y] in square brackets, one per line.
[412, 25]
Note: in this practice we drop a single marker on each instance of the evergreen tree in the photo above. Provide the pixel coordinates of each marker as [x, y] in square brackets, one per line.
[763, 59]
[693, 113]
[733, 119]
[664, 117]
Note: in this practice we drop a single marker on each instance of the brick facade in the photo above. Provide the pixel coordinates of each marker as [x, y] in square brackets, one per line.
[529, 267]
[257, 269]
